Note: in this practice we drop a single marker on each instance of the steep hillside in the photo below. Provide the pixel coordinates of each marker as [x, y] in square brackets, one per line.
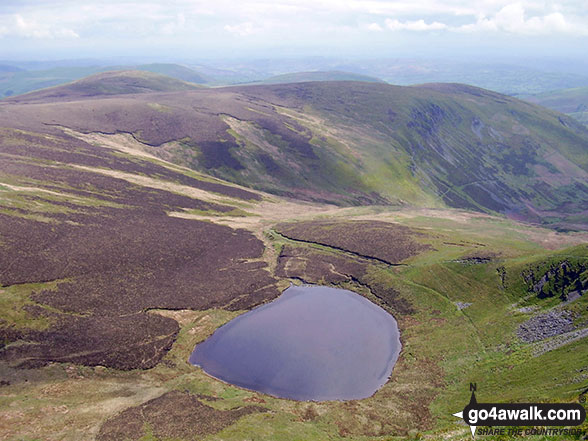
[469, 147]
[349, 143]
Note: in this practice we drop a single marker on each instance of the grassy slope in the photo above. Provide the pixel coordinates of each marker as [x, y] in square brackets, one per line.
[565, 100]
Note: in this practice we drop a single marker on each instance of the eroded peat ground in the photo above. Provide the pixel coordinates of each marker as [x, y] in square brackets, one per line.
[115, 263]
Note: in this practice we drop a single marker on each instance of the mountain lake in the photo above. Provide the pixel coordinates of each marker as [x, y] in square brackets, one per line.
[313, 343]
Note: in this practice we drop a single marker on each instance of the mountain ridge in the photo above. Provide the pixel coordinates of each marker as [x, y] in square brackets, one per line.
[356, 143]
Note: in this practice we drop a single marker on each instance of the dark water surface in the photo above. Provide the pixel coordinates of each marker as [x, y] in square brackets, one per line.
[311, 343]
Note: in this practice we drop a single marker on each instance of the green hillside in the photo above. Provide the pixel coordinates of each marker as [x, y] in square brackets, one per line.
[458, 145]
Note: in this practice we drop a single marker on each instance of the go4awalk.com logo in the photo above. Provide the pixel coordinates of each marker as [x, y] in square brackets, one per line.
[491, 415]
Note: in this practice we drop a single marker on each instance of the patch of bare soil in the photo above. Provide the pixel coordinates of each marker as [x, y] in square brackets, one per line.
[312, 266]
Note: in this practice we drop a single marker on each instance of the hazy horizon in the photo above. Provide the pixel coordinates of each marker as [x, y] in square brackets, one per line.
[197, 30]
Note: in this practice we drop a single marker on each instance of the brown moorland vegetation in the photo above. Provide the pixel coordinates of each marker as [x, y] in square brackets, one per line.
[113, 253]
[195, 122]
[42, 149]
[174, 415]
[118, 265]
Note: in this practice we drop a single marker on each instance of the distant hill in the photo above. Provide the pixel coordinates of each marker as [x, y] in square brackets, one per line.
[509, 79]
[18, 82]
[108, 83]
[574, 102]
[301, 77]
[175, 71]
[435, 143]
[8, 68]
[503, 78]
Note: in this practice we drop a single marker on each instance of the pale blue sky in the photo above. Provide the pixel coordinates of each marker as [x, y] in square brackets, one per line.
[266, 28]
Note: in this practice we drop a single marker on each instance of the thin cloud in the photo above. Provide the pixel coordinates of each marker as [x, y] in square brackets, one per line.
[514, 19]
[374, 27]
[417, 26]
[241, 29]
[28, 28]
[321, 25]
[175, 26]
